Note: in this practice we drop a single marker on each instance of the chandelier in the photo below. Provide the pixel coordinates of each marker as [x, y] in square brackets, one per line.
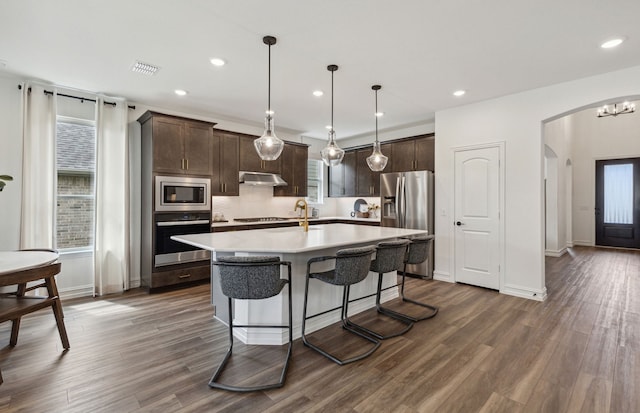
[617, 109]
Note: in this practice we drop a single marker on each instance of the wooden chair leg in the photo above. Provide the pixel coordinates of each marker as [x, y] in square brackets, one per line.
[57, 311]
[15, 327]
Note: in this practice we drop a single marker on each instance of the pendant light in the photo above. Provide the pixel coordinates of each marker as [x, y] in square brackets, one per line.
[332, 154]
[377, 161]
[269, 146]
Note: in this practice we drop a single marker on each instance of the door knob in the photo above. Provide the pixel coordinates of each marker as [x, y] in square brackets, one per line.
[458, 223]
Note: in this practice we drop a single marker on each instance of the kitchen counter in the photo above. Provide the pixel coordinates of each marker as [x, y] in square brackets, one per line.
[290, 220]
[296, 246]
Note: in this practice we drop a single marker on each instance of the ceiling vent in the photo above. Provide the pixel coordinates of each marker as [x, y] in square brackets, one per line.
[144, 68]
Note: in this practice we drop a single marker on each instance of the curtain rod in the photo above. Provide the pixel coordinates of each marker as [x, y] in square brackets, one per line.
[48, 92]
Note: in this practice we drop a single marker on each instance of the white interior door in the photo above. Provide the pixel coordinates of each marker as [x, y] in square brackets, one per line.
[477, 217]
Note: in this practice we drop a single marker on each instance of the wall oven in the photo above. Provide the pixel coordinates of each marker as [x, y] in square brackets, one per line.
[182, 193]
[170, 252]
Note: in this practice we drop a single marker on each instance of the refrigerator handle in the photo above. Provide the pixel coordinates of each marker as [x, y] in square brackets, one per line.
[398, 204]
[403, 204]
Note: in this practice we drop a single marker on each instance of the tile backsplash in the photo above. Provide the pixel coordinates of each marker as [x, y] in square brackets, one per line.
[258, 201]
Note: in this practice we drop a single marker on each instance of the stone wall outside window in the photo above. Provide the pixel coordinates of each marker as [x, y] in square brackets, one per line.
[75, 212]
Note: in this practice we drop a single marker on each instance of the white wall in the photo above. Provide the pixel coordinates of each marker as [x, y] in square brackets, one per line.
[516, 120]
[597, 138]
[387, 135]
[10, 161]
[557, 137]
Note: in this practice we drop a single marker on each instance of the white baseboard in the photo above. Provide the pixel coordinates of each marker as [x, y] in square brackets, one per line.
[517, 291]
[443, 276]
[584, 243]
[560, 253]
[76, 292]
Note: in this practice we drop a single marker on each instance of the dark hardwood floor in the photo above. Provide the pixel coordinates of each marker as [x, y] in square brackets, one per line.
[579, 351]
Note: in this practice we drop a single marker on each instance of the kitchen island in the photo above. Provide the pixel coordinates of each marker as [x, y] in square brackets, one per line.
[296, 246]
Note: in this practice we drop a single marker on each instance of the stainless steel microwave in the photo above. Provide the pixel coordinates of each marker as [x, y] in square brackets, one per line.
[181, 193]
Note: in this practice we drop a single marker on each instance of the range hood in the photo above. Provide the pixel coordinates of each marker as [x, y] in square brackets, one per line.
[262, 179]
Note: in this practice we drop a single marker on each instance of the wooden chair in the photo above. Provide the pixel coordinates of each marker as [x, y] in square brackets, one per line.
[16, 304]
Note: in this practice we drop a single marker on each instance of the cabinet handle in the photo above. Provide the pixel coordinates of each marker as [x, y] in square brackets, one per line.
[186, 161]
[184, 276]
[181, 163]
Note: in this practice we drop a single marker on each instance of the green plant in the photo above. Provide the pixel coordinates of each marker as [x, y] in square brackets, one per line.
[4, 178]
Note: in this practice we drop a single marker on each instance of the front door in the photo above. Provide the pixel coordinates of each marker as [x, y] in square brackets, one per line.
[618, 203]
[477, 217]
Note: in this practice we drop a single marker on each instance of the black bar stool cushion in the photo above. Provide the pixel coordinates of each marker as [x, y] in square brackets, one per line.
[390, 256]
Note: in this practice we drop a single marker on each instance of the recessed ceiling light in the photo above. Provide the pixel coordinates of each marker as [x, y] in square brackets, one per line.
[318, 93]
[216, 61]
[612, 43]
[459, 92]
[180, 92]
[378, 114]
[144, 68]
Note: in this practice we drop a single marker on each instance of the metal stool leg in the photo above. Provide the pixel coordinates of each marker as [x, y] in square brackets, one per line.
[434, 310]
[408, 323]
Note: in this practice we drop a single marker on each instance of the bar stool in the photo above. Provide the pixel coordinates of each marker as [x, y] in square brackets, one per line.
[417, 253]
[252, 278]
[351, 267]
[390, 256]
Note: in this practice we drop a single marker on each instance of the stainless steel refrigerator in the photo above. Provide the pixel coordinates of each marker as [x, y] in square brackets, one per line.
[406, 201]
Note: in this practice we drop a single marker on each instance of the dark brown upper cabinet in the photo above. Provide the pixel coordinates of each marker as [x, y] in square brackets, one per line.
[251, 162]
[293, 169]
[343, 177]
[368, 181]
[180, 146]
[412, 154]
[226, 153]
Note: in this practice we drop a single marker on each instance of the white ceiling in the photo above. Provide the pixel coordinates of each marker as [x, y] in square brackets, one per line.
[420, 51]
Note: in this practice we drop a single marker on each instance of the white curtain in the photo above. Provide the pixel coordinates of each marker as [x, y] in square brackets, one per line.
[37, 221]
[111, 253]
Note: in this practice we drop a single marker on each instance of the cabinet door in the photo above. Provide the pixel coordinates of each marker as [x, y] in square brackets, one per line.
[198, 144]
[225, 168]
[425, 149]
[250, 161]
[168, 150]
[363, 173]
[386, 149]
[350, 173]
[336, 180]
[293, 169]
[403, 154]
[287, 162]
[301, 155]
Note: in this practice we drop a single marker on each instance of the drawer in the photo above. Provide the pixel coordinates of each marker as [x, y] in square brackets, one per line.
[180, 276]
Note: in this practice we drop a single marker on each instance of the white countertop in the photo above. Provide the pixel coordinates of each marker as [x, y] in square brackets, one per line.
[294, 239]
[232, 223]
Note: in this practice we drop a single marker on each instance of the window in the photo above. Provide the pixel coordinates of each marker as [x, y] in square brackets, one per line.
[618, 194]
[314, 181]
[75, 164]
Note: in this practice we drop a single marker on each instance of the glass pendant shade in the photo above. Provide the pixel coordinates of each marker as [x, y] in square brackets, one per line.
[377, 161]
[332, 154]
[269, 146]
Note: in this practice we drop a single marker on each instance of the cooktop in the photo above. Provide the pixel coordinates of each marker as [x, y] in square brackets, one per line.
[262, 219]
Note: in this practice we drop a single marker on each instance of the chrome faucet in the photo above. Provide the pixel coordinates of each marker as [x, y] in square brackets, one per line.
[302, 204]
